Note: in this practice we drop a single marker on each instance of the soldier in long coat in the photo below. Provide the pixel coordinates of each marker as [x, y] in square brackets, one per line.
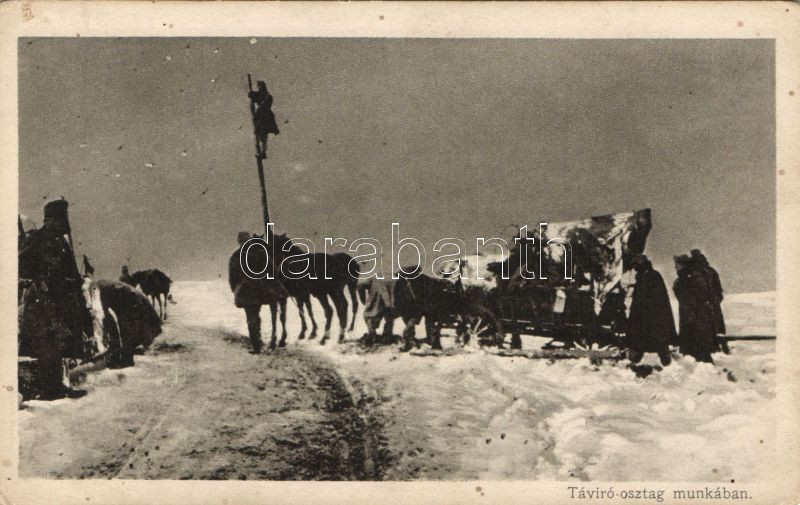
[651, 327]
[53, 315]
[715, 292]
[248, 294]
[697, 336]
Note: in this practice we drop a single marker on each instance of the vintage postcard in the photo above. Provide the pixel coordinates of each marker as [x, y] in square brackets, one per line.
[399, 252]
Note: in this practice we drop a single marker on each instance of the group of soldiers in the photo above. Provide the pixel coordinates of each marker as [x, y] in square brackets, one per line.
[651, 326]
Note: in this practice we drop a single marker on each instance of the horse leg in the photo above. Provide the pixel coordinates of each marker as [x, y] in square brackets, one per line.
[408, 334]
[340, 302]
[272, 310]
[432, 333]
[165, 304]
[354, 300]
[311, 316]
[326, 306]
[282, 342]
[301, 310]
[388, 328]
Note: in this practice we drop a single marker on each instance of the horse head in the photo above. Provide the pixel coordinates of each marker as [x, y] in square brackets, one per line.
[285, 245]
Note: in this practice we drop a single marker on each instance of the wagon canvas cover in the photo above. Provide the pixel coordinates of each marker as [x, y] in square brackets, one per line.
[604, 245]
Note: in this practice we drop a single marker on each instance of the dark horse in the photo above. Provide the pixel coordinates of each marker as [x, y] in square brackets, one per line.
[440, 302]
[155, 284]
[338, 267]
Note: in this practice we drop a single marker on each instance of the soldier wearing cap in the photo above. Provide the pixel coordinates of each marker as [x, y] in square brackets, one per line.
[53, 314]
[651, 327]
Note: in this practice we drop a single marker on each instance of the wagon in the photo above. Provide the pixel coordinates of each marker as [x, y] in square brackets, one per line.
[579, 298]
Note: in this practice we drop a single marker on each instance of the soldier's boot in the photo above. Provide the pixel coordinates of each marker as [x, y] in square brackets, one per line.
[254, 330]
[635, 356]
[665, 357]
[408, 340]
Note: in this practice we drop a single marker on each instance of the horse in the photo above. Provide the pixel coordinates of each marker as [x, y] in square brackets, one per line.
[130, 320]
[343, 275]
[154, 284]
[416, 295]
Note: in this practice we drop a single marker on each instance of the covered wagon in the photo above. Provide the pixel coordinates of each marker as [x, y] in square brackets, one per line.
[578, 291]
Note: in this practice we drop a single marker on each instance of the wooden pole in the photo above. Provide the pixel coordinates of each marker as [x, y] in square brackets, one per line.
[264, 206]
[260, 163]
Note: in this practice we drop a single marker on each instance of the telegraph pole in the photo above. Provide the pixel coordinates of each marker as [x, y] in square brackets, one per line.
[260, 163]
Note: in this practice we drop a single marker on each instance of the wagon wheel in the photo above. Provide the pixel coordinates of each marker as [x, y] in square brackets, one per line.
[482, 327]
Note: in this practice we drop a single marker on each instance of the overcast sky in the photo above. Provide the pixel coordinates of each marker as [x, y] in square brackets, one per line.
[151, 142]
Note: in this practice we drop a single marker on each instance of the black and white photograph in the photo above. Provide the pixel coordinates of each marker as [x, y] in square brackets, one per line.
[424, 259]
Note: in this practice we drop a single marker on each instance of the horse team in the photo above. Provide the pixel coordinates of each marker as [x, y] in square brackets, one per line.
[411, 298]
[251, 294]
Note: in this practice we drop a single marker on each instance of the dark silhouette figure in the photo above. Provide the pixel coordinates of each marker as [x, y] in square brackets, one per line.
[613, 313]
[250, 294]
[697, 335]
[53, 317]
[155, 284]
[263, 118]
[715, 286]
[651, 327]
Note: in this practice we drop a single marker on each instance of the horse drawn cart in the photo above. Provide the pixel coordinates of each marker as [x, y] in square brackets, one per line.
[578, 297]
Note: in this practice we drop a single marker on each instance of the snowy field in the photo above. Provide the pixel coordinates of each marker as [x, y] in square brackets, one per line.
[474, 415]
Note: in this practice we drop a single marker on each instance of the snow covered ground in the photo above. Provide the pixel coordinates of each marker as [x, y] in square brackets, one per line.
[475, 415]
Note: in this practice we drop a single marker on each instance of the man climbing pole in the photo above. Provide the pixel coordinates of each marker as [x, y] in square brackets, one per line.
[263, 117]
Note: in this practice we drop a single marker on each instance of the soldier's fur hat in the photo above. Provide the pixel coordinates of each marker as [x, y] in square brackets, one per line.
[57, 211]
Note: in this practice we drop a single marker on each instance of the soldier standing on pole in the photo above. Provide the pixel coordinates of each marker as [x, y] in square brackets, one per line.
[263, 118]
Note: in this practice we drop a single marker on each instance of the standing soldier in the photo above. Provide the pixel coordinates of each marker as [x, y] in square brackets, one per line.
[263, 118]
[378, 305]
[715, 291]
[697, 336]
[248, 293]
[53, 315]
[651, 327]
